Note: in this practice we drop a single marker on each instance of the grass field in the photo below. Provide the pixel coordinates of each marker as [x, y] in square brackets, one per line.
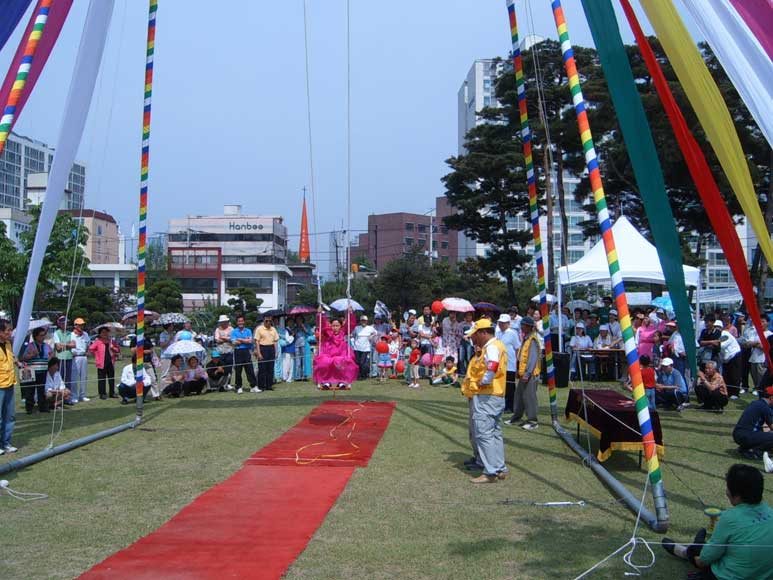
[410, 514]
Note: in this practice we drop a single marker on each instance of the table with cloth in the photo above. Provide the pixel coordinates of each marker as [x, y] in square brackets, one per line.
[611, 417]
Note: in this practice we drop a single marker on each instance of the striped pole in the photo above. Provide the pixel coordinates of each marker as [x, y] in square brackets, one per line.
[142, 242]
[533, 206]
[618, 288]
[9, 112]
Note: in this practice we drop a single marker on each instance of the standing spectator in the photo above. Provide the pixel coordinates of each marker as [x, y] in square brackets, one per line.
[36, 356]
[757, 361]
[660, 319]
[515, 319]
[287, 343]
[426, 318]
[80, 362]
[649, 380]
[711, 389]
[465, 346]
[676, 349]
[754, 431]
[166, 337]
[559, 323]
[729, 326]
[267, 348]
[241, 339]
[224, 347]
[732, 360]
[528, 373]
[657, 348]
[57, 392]
[647, 332]
[218, 373]
[363, 338]
[7, 385]
[592, 328]
[671, 388]
[127, 388]
[452, 335]
[425, 332]
[105, 354]
[187, 332]
[406, 327]
[512, 341]
[63, 345]
[604, 310]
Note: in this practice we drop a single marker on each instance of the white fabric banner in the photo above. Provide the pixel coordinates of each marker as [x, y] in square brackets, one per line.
[741, 55]
[76, 111]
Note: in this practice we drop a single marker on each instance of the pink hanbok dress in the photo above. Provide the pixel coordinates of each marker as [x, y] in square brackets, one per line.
[335, 361]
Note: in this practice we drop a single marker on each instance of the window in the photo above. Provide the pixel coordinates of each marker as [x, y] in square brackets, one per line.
[422, 242]
[443, 229]
[422, 228]
[576, 240]
[209, 237]
[408, 241]
[575, 255]
[444, 245]
[262, 285]
[198, 285]
[434, 244]
[408, 227]
[253, 259]
[716, 259]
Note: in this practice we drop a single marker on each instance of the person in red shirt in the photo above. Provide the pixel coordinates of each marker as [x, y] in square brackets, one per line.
[649, 379]
[413, 364]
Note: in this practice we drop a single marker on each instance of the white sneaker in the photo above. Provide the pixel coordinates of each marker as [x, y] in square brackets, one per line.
[767, 462]
[85, 399]
[733, 397]
[10, 449]
[229, 388]
[742, 392]
[529, 426]
[255, 390]
[239, 391]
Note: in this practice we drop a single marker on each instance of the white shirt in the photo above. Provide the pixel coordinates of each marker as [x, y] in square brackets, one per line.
[128, 379]
[677, 344]
[615, 331]
[54, 383]
[750, 334]
[578, 342]
[603, 341]
[728, 346]
[512, 341]
[82, 342]
[363, 337]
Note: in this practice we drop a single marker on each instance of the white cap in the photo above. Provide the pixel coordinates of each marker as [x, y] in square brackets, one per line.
[363, 317]
[719, 323]
[667, 362]
[580, 325]
[604, 327]
[613, 311]
[504, 318]
[412, 311]
[223, 318]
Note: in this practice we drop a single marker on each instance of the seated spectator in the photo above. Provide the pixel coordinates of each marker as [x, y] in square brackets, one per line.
[738, 548]
[172, 379]
[604, 339]
[671, 388]
[753, 430]
[127, 389]
[711, 389]
[56, 393]
[580, 342]
[195, 378]
[218, 374]
[448, 375]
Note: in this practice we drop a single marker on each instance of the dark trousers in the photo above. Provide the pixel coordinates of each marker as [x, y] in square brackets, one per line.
[227, 360]
[760, 440]
[28, 393]
[362, 358]
[195, 386]
[670, 397]
[710, 399]
[266, 367]
[243, 362]
[106, 374]
[746, 367]
[173, 389]
[65, 369]
[510, 381]
[731, 372]
[127, 392]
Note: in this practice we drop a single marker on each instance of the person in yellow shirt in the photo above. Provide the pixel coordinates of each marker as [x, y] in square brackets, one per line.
[267, 347]
[484, 386]
[7, 388]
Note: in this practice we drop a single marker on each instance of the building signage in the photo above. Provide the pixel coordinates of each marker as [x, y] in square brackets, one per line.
[244, 227]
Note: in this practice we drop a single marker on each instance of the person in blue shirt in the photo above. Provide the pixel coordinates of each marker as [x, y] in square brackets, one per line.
[750, 433]
[670, 388]
[241, 338]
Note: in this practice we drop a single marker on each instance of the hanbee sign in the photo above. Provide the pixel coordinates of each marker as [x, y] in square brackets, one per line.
[244, 227]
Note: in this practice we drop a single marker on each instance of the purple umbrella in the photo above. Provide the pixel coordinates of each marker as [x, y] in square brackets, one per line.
[487, 307]
[302, 310]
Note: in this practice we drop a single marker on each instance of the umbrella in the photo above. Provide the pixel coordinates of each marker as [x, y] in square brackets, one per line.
[344, 303]
[150, 316]
[302, 310]
[581, 304]
[549, 298]
[184, 348]
[42, 323]
[488, 307]
[663, 302]
[110, 325]
[173, 318]
[457, 305]
[274, 313]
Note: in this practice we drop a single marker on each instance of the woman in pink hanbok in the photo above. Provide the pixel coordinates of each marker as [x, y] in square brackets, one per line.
[334, 365]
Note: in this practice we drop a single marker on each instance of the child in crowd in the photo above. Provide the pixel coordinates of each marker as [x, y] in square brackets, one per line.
[649, 379]
[437, 353]
[448, 376]
[412, 366]
[394, 350]
[384, 360]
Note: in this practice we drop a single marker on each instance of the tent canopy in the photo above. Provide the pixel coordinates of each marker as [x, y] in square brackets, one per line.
[638, 260]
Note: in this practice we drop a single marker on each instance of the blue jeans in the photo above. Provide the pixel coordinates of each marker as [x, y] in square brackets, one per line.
[7, 415]
[486, 412]
[650, 394]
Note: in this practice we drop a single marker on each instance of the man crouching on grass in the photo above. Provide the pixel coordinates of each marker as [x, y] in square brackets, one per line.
[739, 546]
[484, 385]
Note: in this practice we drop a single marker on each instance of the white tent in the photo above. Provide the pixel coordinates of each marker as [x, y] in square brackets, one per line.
[638, 261]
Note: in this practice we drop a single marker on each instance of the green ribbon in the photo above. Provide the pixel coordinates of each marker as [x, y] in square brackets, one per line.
[644, 160]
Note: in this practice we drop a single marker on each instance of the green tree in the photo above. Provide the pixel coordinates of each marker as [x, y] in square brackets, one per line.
[95, 304]
[13, 271]
[164, 295]
[156, 259]
[244, 301]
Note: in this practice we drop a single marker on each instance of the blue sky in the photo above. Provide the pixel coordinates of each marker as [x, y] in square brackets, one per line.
[229, 107]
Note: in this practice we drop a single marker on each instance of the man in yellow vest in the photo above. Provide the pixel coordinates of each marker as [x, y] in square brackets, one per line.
[484, 386]
[529, 369]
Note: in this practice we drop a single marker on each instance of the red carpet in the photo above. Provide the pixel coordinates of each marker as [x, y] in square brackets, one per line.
[257, 522]
[334, 434]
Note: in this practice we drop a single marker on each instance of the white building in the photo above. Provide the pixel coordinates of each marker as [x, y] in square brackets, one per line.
[211, 255]
[15, 222]
[21, 158]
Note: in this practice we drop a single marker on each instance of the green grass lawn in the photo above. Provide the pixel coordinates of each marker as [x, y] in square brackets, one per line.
[410, 514]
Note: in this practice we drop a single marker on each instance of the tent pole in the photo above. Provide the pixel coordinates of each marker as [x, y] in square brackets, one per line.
[560, 314]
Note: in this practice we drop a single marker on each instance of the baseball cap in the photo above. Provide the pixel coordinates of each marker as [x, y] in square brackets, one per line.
[667, 362]
[363, 317]
[604, 327]
[527, 321]
[412, 311]
[613, 312]
[504, 318]
[215, 353]
[718, 323]
[79, 321]
[479, 325]
[578, 325]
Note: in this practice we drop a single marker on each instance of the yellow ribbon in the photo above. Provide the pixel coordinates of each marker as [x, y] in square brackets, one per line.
[350, 418]
[706, 100]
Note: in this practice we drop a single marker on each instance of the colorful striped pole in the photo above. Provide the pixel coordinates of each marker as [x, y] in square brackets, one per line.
[618, 288]
[142, 242]
[533, 206]
[9, 112]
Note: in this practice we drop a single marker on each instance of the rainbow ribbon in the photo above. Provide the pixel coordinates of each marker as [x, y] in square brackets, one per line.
[9, 113]
[618, 288]
[533, 206]
[142, 242]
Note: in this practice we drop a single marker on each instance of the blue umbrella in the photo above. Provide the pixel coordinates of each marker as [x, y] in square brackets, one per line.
[663, 302]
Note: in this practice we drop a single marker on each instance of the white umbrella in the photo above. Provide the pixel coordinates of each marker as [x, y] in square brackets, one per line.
[184, 348]
[344, 303]
[457, 305]
[581, 304]
[549, 298]
[111, 325]
[42, 323]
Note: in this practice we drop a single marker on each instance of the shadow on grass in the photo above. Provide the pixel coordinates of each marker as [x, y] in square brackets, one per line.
[480, 547]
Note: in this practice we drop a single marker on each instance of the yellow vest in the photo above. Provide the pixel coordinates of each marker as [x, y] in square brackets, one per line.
[7, 367]
[477, 369]
[523, 357]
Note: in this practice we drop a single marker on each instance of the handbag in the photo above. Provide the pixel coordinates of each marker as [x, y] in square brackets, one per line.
[26, 376]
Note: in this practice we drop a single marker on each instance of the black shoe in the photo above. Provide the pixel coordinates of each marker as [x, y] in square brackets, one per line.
[668, 545]
[124, 401]
[103, 397]
[113, 396]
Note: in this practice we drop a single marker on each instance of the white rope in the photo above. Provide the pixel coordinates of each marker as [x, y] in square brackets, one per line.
[21, 495]
[348, 150]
